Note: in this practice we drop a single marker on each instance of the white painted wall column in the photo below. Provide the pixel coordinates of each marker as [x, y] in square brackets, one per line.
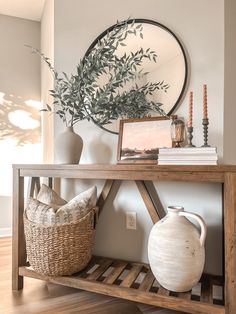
[230, 83]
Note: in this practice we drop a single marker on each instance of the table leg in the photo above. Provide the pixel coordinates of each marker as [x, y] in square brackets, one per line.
[18, 239]
[230, 242]
[148, 201]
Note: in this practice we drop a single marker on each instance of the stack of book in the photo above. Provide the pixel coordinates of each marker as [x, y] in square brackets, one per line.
[188, 156]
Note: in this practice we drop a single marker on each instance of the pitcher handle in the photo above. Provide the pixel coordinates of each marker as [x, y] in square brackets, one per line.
[201, 223]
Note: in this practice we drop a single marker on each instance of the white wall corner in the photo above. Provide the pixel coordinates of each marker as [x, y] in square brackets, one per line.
[229, 83]
[47, 82]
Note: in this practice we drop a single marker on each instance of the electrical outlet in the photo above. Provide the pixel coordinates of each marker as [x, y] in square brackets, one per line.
[131, 220]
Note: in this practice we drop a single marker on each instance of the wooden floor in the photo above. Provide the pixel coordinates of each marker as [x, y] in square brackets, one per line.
[41, 297]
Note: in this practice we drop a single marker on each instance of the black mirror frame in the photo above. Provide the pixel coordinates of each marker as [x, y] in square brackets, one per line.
[139, 20]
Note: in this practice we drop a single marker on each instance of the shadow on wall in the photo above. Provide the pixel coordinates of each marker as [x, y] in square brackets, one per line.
[100, 151]
[19, 119]
[214, 248]
[111, 231]
[69, 188]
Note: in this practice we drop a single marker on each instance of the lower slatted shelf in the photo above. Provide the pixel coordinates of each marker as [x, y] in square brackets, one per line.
[135, 281]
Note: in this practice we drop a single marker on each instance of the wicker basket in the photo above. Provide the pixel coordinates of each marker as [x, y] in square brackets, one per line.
[60, 249]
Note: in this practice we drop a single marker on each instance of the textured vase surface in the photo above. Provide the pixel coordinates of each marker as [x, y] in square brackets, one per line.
[176, 250]
[68, 147]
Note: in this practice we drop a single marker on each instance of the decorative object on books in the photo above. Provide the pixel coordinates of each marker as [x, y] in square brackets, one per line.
[60, 244]
[205, 109]
[170, 64]
[68, 147]
[177, 131]
[205, 120]
[189, 137]
[190, 113]
[140, 139]
[176, 250]
[188, 156]
[205, 123]
[190, 122]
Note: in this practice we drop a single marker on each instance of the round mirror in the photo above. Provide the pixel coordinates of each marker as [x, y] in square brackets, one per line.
[169, 67]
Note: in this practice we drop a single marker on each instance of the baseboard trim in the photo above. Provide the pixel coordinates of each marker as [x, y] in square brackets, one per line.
[5, 232]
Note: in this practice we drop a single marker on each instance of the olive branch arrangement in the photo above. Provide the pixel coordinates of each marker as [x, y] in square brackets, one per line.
[97, 90]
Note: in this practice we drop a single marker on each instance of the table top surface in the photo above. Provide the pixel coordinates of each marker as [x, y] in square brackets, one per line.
[129, 167]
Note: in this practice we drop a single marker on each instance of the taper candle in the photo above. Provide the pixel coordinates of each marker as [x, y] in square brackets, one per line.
[190, 112]
[205, 113]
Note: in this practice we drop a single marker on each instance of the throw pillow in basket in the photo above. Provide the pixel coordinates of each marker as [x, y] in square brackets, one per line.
[60, 237]
[49, 196]
[50, 209]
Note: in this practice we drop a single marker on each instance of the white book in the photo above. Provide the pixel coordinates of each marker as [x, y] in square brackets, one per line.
[195, 155]
[185, 150]
[187, 162]
[188, 157]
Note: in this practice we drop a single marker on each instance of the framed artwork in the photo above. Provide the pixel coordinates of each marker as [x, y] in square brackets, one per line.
[140, 139]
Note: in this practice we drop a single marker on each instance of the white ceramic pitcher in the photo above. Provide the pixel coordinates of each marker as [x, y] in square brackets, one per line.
[176, 250]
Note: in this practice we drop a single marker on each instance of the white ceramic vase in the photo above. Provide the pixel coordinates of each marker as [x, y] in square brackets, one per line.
[176, 250]
[68, 147]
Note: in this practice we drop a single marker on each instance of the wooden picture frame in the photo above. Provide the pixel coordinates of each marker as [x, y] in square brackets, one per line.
[140, 139]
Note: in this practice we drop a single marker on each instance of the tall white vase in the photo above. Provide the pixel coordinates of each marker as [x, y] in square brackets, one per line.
[68, 147]
[176, 250]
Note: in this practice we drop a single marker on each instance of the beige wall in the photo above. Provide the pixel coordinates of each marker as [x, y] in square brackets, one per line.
[20, 71]
[205, 47]
[200, 26]
[19, 116]
[230, 80]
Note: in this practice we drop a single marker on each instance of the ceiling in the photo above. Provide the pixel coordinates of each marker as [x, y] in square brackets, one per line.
[27, 9]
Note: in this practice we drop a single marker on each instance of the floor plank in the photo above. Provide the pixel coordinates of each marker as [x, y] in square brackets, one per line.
[40, 297]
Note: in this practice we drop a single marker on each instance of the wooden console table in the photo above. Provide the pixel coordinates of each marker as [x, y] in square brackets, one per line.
[94, 277]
